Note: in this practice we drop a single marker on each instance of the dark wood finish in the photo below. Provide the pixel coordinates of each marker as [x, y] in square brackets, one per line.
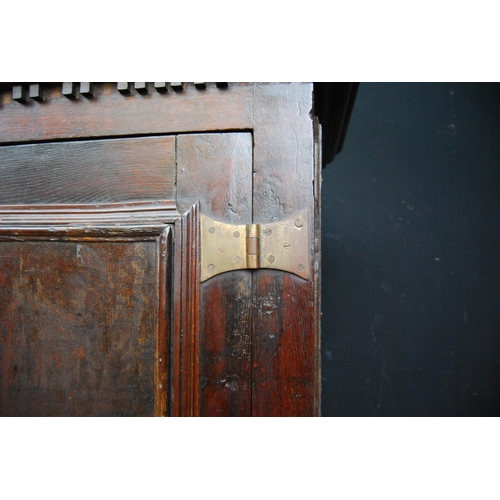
[111, 259]
[242, 343]
[318, 165]
[106, 171]
[284, 376]
[216, 171]
[111, 114]
[186, 344]
[130, 216]
[82, 326]
[163, 334]
[333, 105]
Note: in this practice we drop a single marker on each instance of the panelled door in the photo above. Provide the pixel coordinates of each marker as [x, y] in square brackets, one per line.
[157, 257]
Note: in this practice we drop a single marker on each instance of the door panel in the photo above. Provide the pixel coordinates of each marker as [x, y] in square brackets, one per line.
[81, 328]
[98, 301]
[85, 277]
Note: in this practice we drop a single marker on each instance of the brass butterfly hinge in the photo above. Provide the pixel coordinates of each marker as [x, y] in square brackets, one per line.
[282, 245]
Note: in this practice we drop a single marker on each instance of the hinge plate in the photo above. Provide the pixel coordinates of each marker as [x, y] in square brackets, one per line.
[282, 245]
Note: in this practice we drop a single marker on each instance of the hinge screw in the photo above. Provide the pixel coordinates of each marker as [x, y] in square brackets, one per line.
[271, 259]
[299, 223]
[301, 267]
[268, 232]
[287, 245]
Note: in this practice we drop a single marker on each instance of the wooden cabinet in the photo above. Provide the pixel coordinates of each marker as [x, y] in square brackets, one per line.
[103, 307]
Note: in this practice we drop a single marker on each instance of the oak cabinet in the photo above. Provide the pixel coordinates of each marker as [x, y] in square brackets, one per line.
[112, 302]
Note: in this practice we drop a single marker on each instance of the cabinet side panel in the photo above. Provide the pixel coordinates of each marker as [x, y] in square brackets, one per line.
[216, 171]
[284, 343]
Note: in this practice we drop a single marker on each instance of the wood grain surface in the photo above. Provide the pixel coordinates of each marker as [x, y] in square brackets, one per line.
[284, 377]
[88, 315]
[77, 328]
[216, 170]
[82, 172]
[110, 113]
[186, 318]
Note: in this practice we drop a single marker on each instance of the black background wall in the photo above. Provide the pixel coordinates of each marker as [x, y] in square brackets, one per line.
[411, 274]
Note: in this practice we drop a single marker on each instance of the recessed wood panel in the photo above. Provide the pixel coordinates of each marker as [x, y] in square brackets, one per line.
[78, 322]
[103, 171]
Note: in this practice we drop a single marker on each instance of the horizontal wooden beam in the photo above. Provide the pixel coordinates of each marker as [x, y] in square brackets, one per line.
[110, 113]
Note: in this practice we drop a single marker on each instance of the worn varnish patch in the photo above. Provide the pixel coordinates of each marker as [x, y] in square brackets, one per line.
[77, 327]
